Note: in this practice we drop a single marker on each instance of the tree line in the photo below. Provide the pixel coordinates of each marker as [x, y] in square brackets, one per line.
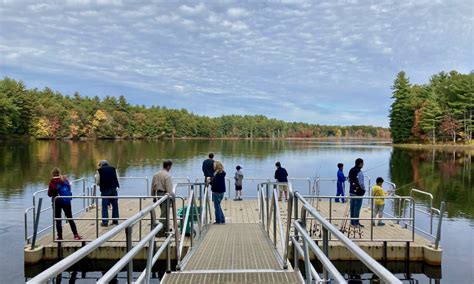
[47, 114]
[439, 111]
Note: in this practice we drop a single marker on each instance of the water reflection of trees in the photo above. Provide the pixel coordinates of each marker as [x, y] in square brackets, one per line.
[447, 174]
[24, 163]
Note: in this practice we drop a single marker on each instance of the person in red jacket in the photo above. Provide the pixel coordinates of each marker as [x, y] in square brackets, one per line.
[56, 184]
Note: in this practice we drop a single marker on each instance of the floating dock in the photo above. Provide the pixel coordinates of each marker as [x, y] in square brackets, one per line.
[244, 212]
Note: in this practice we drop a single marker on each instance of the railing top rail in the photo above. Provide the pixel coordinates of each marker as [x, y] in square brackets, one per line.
[84, 251]
[421, 192]
[372, 264]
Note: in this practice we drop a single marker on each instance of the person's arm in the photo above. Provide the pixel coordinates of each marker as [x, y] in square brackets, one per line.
[97, 178]
[276, 175]
[169, 185]
[51, 189]
[154, 184]
[360, 179]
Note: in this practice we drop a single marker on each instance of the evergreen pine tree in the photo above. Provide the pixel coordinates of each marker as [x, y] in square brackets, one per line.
[401, 113]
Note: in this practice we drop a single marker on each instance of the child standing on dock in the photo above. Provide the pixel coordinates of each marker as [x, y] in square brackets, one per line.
[59, 186]
[379, 203]
[239, 176]
[341, 179]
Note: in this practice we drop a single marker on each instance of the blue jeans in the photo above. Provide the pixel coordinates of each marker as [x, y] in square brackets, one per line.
[340, 191]
[217, 198]
[356, 205]
[105, 205]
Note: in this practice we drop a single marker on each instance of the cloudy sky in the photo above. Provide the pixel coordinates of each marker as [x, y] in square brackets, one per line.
[328, 62]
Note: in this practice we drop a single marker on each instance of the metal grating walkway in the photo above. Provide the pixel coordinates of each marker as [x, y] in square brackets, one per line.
[233, 253]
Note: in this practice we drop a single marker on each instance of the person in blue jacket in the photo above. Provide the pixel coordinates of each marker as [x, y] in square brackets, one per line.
[341, 179]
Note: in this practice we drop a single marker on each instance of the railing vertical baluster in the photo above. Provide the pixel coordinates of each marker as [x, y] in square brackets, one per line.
[96, 217]
[372, 219]
[325, 249]
[307, 262]
[438, 231]
[35, 229]
[128, 236]
[168, 249]
[140, 222]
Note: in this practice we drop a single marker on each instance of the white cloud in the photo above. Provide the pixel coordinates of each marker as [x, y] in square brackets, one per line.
[237, 12]
[199, 8]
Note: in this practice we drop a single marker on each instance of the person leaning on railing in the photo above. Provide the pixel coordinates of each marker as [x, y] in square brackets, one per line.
[59, 186]
[108, 181]
[160, 185]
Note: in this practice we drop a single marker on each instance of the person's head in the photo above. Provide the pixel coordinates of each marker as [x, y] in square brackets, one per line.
[211, 155]
[56, 172]
[167, 165]
[103, 163]
[340, 166]
[238, 168]
[379, 181]
[359, 163]
[218, 166]
[278, 164]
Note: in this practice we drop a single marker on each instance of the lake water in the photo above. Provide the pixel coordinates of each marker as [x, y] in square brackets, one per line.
[449, 175]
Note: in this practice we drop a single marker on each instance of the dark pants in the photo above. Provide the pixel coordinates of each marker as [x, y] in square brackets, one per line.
[68, 212]
[356, 205]
[217, 198]
[105, 205]
[340, 191]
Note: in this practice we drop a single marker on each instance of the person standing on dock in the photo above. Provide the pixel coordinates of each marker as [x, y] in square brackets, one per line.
[160, 185]
[379, 205]
[281, 175]
[341, 179]
[108, 181]
[208, 167]
[218, 190]
[239, 176]
[357, 188]
[59, 186]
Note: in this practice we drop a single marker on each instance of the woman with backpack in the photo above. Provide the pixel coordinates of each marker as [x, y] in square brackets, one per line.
[59, 186]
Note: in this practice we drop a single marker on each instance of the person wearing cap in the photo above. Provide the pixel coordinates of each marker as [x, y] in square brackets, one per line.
[107, 179]
[239, 176]
[379, 203]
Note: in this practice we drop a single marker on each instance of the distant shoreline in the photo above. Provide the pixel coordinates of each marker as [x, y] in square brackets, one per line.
[436, 146]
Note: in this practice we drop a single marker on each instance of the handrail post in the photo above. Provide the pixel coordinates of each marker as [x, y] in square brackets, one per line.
[151, 248]
[307, 262]
[96, 217]
[372, 219]
[35, 229]
[325, 249]
[167, 230]
[275, 204]
[83, 192]
[128, 236]
[438, 232]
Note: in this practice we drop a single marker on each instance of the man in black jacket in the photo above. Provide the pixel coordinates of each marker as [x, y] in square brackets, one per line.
[208, 168]
[108, 182]
[357, 188]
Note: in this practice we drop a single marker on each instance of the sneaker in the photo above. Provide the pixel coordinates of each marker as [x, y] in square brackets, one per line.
[104, 224]
[77, 237]
[59, 238]
[360, 225]
[381, 224]
[355, 226]
[115, 223]
[236, 199]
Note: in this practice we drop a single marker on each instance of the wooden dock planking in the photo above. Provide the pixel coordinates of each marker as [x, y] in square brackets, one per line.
[245, 212]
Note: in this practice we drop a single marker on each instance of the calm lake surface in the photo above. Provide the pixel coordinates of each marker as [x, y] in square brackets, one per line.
[449, 175]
